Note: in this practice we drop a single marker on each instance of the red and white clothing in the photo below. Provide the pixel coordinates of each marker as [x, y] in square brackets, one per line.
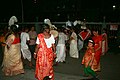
[44, 62]
[83, 35]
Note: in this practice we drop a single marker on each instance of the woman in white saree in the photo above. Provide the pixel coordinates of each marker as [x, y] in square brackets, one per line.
[73, 45]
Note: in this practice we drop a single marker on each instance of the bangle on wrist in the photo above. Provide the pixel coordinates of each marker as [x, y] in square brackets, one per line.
[35, 53]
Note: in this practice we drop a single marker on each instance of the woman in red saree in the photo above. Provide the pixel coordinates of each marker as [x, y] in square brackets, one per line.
[98, 49]
[44, 54]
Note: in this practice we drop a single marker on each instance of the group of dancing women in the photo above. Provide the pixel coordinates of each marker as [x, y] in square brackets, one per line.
[49, 50]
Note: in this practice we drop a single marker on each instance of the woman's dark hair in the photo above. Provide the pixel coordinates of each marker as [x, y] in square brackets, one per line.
[13, 28]
[45, 26]
[95, 29]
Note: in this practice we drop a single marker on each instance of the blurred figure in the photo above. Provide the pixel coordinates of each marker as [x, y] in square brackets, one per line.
[73, 45]
[44, 54]
[60, 48]
[83, 36]
[12, 63]
[33, 35]
[67, 33]
[2, 46]
[104, 42]
[97, 38]
[24, 46]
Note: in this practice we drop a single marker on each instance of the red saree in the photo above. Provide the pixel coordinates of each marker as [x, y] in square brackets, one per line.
[97, 39]
[89, 57]
[44, 62]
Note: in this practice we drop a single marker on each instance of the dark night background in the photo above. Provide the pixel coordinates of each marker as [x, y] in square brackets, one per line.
[61, 10]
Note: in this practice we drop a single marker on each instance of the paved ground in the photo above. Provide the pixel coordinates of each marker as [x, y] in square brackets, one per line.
[73, 70]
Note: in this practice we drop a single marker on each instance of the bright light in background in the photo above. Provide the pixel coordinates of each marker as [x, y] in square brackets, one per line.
[114, 6]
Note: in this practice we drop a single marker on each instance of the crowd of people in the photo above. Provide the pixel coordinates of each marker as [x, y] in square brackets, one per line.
[49, 50]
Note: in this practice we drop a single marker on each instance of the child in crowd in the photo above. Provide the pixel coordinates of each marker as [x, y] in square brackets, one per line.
[89, 60]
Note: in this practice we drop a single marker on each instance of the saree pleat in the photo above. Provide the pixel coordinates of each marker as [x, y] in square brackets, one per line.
[12, 63]
[98, 53]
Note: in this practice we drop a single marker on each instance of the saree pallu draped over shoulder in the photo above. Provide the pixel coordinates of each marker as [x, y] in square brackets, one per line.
[44, 62]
